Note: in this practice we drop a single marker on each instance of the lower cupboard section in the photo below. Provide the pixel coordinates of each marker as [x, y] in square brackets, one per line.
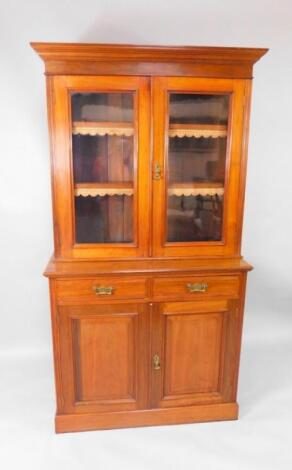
[134, 364]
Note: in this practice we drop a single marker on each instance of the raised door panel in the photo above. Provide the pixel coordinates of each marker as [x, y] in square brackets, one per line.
[107, 346]
[193, 352]
[103, 357]
[100, 132]
[198, 165]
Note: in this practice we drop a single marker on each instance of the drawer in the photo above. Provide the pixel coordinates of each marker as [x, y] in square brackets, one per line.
[196, 287]
[103, 288]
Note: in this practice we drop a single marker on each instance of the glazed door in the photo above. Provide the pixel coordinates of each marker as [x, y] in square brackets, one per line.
[101, 148]
[193, 352]
[104, 357]
[197, 175]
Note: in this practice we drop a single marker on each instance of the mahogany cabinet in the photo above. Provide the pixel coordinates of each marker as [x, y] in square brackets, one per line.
[147, 282]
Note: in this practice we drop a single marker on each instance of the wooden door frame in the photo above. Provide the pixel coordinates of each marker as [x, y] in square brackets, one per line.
[60, 124]
[228, 365]
[239, 90]
[67, 316]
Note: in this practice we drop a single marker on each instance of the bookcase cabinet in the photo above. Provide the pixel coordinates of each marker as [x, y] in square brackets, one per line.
[147, 281]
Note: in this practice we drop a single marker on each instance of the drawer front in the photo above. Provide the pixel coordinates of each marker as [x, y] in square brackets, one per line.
[191, 287]
[96, 289]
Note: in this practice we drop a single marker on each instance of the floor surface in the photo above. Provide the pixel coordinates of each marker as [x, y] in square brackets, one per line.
[260, 440]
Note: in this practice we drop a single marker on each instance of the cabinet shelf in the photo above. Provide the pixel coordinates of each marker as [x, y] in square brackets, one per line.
[197, 130]
[102, 128]
[195, 189]
[104, 189]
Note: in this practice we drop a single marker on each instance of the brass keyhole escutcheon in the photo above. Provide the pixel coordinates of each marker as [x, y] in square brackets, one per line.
[157, 171]
[156, 362]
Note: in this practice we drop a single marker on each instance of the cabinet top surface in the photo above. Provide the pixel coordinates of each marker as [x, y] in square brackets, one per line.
[62, 268]
[56, 55]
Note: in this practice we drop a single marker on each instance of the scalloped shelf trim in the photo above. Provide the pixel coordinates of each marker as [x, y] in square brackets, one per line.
[102, 131]
[195, 191]
[197, 133]
[103, 192]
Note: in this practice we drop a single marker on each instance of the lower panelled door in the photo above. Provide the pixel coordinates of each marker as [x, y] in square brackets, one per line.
[194, 353]
[104, 357]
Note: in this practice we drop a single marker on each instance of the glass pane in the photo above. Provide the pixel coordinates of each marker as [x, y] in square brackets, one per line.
[103, 162]
[196, 166]
[102, 107]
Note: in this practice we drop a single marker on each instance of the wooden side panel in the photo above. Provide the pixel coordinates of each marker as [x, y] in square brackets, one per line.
[103, 357]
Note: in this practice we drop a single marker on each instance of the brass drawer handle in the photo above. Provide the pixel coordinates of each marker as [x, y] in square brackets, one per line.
[103, 290]
[197, 287]
[156, 362]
